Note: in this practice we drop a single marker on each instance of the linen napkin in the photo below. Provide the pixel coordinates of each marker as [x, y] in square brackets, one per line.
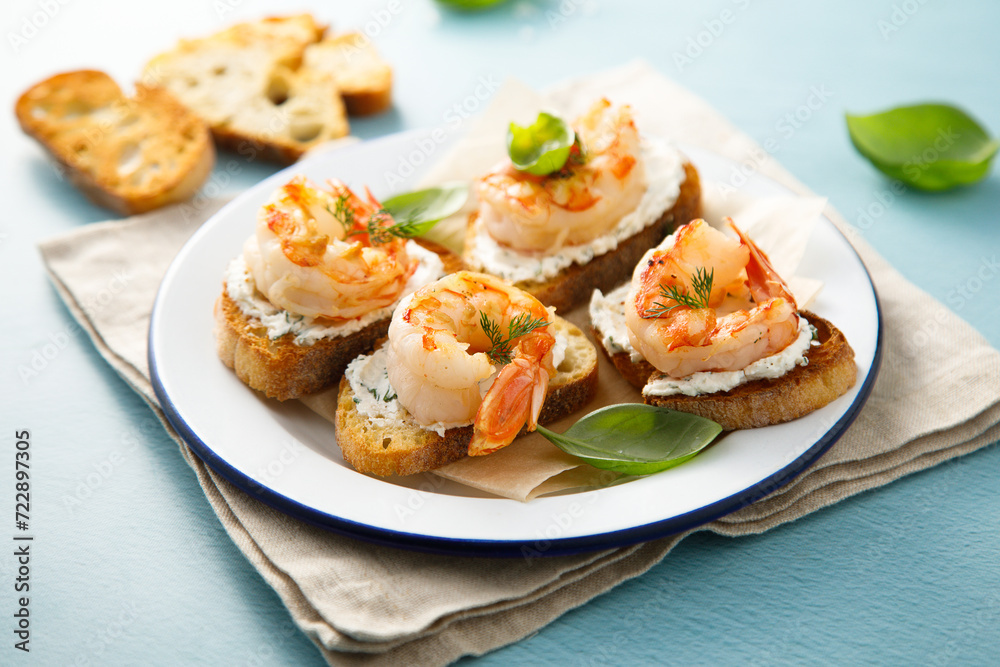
[371, 605]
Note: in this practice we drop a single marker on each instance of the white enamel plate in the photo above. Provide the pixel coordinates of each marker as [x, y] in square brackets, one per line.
[286, 456]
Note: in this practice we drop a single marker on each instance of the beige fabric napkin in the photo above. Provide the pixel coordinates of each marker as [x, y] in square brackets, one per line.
[373, 605]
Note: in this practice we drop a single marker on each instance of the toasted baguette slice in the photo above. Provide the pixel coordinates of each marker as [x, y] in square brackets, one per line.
[831, 371]
[295, 31]
[405, 449]
[281, 369]
[129, 155]
[247, 83]
[364, 79]
[574, 284]
[299, 110]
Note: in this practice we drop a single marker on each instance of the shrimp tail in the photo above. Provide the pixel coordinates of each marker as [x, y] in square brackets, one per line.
[764, 281]
[372, 201]
[514, 400]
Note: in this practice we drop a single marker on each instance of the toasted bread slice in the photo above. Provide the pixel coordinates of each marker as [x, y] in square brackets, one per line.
[364, 79]
[295, 32]
[405, 448]
[574, 284]
[281, 369]
[129, 155]
[831, 371]
[299, 110]
[247, 83]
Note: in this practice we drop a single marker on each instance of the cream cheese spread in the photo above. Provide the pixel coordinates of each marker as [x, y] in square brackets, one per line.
[242, 289]
[376, 399]
[607, 314]
[664, 175]
[710, 382]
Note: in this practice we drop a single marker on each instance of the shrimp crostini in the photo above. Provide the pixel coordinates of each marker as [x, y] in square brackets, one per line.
[708, 326]
[584, 225]
[315, 286]
[443, 354]
[469, 363]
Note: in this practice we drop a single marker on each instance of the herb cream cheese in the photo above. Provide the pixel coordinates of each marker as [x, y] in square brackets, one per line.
[607, 314]
[710, 382]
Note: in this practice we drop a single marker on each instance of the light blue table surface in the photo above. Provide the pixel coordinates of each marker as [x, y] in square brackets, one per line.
[140, 571]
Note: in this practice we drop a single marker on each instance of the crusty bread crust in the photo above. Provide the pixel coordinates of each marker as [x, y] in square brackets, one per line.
[399, 450]
[279, 368]
[364, 79]
[830, 373]
[405, 449]
[129, 155]
[283, 370]
[574, 284]
[575, 382]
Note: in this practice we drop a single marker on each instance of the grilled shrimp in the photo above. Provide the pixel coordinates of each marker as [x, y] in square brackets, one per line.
[577, 204]
[705, 301]
[440, 367]
[311, 254]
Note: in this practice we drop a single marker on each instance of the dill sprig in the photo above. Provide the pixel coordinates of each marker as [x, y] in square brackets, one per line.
[379, 233]
[701, 285]
[377, 229]
[503, 348]
[343, 213]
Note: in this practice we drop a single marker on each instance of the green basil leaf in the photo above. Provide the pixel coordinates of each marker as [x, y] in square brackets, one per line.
[424, 208]
[542, 147]
[635, 439]
[929, 146]
[470, 4]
